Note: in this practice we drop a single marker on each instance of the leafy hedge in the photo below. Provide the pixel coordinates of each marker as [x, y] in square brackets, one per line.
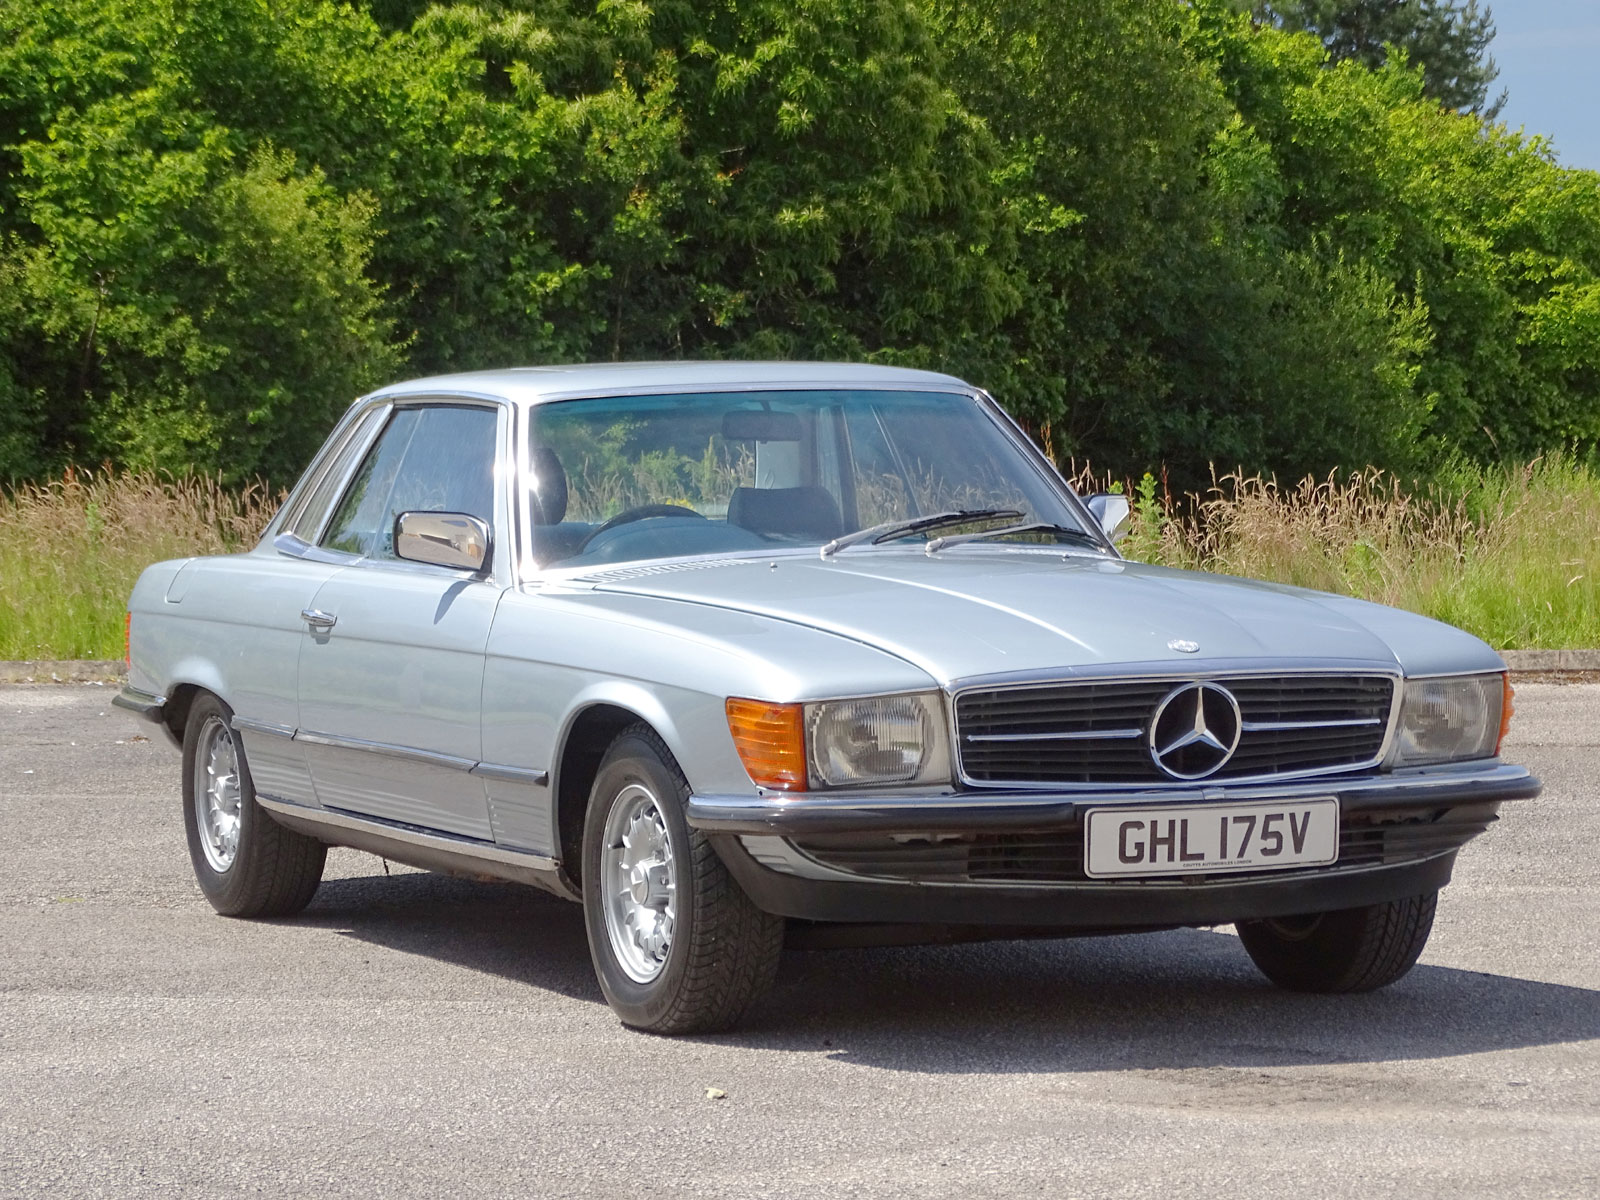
[1158, 231]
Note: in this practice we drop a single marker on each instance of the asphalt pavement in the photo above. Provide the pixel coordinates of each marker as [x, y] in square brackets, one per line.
[418, 1035]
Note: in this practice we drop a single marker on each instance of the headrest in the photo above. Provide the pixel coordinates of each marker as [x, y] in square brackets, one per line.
[798, 511]
[549, 488]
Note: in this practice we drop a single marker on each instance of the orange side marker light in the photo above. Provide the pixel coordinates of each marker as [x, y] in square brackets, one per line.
[770, 739]
[1506, 708]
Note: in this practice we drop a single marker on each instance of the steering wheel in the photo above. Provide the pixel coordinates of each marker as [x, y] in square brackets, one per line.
[643, 512]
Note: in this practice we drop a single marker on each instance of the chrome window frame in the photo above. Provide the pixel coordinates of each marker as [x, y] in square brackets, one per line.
[1145, 673]
[505, 565]
[1042, 463]
[349, 427]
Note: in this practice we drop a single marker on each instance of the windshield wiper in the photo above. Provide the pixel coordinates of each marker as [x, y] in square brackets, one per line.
[1061, 531]
[894, 529]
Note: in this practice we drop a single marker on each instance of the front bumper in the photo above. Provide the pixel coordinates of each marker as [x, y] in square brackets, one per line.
[789, 814]
[828, 857]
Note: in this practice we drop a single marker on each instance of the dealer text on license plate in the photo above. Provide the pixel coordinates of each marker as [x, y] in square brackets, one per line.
[1207, 838]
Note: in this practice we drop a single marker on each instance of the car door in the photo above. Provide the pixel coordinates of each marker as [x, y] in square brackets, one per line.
[391, 669]
[249, 615]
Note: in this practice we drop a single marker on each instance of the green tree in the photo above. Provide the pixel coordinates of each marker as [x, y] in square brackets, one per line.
[1471, 223]
[1160, 232]
[1170, 318]
[761, 178]
[175, 297]
[478, 185]
[1449, 39]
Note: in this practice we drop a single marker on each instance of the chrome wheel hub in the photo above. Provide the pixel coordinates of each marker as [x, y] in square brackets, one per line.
[217, 799]
[638, 883]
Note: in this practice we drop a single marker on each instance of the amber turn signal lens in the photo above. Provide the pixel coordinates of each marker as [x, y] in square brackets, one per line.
[1506, 708]
[771, 742]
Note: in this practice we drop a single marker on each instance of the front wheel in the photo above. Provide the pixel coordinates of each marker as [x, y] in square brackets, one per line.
[246, 863]
[677, 945]
[1351, 950]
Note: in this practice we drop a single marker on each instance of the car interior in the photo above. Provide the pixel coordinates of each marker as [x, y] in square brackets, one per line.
[778, 508]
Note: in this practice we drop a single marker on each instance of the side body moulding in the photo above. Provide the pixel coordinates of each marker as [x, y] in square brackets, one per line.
[428, 849]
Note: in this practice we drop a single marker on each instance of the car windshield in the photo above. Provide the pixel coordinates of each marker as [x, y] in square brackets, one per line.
[619, 479]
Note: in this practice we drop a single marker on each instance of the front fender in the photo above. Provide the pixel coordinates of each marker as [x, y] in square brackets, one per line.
[693, 725]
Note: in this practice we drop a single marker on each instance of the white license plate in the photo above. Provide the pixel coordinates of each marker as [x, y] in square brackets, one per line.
[1208, 838]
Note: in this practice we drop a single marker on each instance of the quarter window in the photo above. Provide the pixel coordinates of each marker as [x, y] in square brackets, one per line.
[426, 460]
[315, 508]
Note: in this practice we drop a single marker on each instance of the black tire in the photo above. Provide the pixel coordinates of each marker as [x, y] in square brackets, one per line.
[273, 871]
[723, 951]
[1351, 950]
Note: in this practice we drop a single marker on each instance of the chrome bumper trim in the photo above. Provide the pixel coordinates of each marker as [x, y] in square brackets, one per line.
[143, 704]
[806, 813]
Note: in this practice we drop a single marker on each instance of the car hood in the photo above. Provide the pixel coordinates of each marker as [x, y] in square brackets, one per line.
[986, 610]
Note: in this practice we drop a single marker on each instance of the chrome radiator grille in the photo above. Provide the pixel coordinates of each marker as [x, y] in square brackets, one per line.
[1099, 732]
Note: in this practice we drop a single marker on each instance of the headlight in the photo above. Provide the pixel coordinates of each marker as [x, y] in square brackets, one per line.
[842, 743]
[1450, 718]
[887, 739]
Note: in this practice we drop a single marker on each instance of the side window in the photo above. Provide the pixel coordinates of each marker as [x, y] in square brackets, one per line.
[427, 460]
[315, 508]
[360, 513]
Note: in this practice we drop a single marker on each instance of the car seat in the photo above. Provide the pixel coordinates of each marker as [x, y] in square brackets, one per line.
[549, 487]
[804, 512]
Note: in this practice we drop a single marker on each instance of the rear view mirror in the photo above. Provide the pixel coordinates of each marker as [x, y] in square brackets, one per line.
[760, 425]
[442, 539]
[1112, 513]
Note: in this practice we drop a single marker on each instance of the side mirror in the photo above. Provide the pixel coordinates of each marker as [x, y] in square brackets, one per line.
[1113, 513]
[442, 539]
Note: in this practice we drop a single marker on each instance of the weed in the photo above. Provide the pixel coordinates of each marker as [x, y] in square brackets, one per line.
[71, 549]
[1511, 554]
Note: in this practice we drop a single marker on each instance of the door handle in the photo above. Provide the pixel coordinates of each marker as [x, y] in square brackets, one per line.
[318, 619]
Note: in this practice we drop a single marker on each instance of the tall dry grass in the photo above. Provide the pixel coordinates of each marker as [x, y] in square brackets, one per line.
[1511, 554]
[71, 549]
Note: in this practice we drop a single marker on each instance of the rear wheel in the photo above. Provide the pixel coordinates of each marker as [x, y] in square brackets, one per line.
[1351, 950]
[245, 862]
[677, 945]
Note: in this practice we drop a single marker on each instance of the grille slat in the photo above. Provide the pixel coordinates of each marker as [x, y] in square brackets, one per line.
[1082, 709]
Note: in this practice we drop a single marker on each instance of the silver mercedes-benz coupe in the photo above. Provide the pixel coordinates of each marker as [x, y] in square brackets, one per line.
[729, 651]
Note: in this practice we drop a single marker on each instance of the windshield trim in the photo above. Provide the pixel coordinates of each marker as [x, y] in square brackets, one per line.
[1048, 470]
[786, 385]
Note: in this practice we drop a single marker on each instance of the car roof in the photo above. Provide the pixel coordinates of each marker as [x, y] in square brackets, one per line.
[533, 385]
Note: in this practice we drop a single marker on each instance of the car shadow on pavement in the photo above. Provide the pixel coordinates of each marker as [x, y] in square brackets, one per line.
[1181, 999]
[504, 929]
